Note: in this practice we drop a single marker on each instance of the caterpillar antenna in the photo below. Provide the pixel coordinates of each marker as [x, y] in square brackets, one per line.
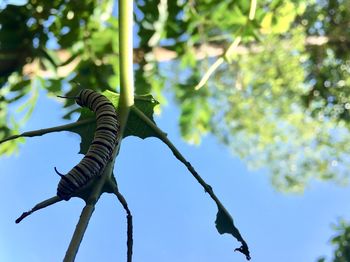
[68, 97]
[58, 173]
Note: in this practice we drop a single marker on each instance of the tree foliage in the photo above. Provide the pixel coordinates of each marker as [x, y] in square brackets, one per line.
[341, 242]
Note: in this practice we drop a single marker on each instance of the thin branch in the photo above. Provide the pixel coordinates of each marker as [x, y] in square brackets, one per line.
[165, 54]
[41, 205]
[44, 131]
[67, 127]
[207, 188]
[209, 72]
[232, 48]
[161, 135]
[129, 241]
[228, 53]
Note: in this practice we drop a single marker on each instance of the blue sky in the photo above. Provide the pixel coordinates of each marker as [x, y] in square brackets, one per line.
[173, 217]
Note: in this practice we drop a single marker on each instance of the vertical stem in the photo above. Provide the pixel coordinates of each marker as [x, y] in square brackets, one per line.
[87, 213]
[79, 233]
[126, 88]
[126, 59]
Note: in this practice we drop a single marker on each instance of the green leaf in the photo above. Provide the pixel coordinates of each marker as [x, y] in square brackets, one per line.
[135, 126]
[20, 86]
[224, 224]
[280, 20]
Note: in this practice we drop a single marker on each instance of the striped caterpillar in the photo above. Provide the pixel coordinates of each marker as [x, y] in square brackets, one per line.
[101, 148]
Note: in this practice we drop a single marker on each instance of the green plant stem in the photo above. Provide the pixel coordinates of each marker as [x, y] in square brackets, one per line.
[44, 131]
[123, 202]
[88, 211]
[43, 204]
[79, 232]
[209, 72]
[126, 59]
[228, 53]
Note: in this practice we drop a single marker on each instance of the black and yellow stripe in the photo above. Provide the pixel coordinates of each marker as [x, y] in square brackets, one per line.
[101, 148]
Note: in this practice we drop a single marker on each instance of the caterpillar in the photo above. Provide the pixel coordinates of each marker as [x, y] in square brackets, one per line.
[101, 148]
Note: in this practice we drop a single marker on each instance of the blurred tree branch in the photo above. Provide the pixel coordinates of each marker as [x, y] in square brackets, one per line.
[160, 54]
